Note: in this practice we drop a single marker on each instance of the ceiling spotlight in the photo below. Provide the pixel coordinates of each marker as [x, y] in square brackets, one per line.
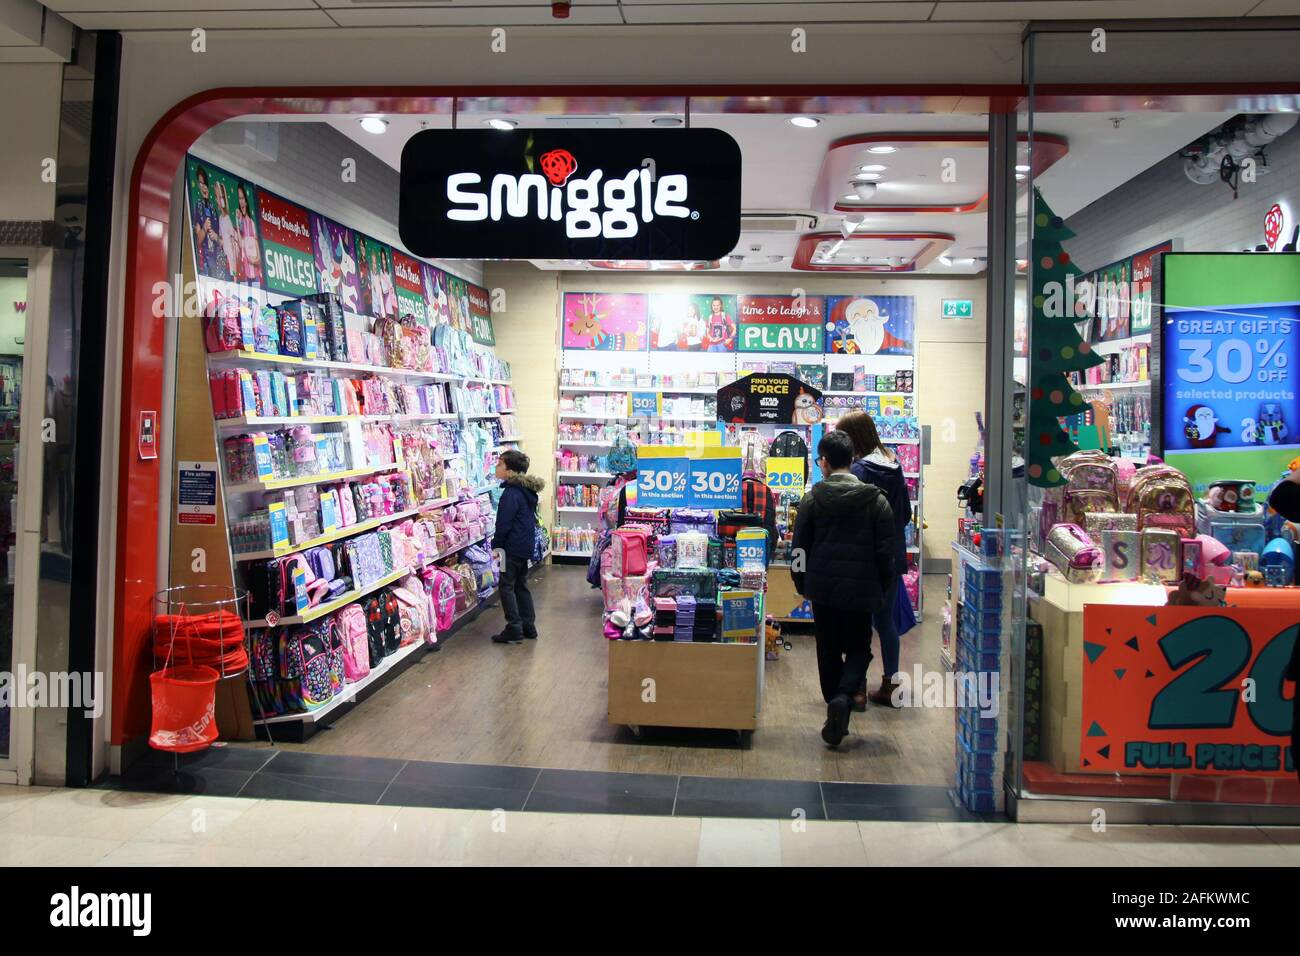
[666, 121]
[882, 149]
[805, 122]
[504, 125]
[866, 177]
[1022, 167]
[1021, 177]
[374, 124]
[945, 260]
[864, 188]
[873, 168]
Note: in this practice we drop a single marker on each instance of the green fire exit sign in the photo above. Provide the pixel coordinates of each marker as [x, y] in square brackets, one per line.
[958, 309]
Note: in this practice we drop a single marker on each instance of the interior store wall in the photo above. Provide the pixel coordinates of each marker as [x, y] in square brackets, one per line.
[526, 326]
[1162, 203]
[949, 379]
[308, 169]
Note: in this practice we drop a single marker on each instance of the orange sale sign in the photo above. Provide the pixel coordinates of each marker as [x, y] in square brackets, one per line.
[1188, 689]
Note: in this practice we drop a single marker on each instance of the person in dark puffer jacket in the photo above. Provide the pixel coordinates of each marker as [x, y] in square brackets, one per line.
[875, 465]
[842, 560]
[515, 534]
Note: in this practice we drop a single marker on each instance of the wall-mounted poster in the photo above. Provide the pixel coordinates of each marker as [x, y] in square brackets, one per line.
[1113, 292]
[1140, 276]
[435, 294]
[458, 303]
[781, 323]
[223, 217]
[870, 324]
[336, 260]
[408, 284]
[287, 257]
[375, 275]
[605, 321]
[693, 323]
[480, 315]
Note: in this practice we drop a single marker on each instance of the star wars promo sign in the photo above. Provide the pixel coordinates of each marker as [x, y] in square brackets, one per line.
[769, 399]
[1164, 690]
[1227, 349]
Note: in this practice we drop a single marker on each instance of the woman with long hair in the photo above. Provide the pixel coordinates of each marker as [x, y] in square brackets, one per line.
[875, 464]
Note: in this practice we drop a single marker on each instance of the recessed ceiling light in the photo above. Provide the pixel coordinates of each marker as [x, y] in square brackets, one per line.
[866, 177]
[502, 124]
[1021, 177]
[805, 122]
[882, 149]
[1022, 168]
[665, 121]
[945, 260]
[873, 168]
[850, 197]
[374, 124]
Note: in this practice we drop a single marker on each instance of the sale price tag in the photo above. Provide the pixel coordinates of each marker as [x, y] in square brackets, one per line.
[715, 478]
[786, 475]
[662, 477]
[645, 404]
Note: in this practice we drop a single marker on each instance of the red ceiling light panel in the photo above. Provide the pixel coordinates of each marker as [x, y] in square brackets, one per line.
[938, 173]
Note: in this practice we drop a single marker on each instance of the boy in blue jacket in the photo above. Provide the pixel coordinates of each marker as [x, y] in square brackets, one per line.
[515, 534]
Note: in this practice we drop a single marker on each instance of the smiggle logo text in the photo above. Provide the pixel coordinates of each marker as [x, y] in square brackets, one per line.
[589, 211]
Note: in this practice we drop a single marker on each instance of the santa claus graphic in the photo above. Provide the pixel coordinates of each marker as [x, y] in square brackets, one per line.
[1202, 428]
[867, 328]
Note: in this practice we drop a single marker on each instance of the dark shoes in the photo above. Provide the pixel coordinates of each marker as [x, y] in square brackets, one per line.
[837, 720]
[531, 637]
[505, 637]
[885, 696]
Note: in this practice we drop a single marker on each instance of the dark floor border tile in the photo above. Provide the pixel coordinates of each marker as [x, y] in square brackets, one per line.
[274, 786]
[580, 782]
[306, 764]
[594, 801]
[432, 774]
[453, 797]
[211, 782]
[886, 794]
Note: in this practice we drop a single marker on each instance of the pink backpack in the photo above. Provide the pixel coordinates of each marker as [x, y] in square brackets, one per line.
[224, 330]
[443, 595]
[413, 608]
[631, 548]
[350, 626]
[607, 504]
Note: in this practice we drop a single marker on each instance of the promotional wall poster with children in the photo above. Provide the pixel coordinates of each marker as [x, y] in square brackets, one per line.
[375, 276]
[870, 324]
[336, 260]
[605, 321]
[693, 323]
[223, 221]
[435, 294]
[1227, 382]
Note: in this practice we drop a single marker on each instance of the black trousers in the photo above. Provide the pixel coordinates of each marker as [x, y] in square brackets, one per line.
[516, 599]
[843, 649]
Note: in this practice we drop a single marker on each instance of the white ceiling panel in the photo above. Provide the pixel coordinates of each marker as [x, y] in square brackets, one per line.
[362, 15]
[173, 6]
[208, 19]
[1087, 9]
[790, 13]
[1277, 8]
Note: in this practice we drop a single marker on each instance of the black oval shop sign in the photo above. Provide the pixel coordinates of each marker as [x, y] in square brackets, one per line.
[570, 194]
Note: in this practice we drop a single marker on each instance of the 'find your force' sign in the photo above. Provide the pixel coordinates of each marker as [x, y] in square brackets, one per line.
[579, 194]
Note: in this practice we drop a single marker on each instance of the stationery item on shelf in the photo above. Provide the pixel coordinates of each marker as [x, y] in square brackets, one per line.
[1122, 554]
[1161, 560]
[1074, 553]
[1095, 523]
[692, 550]
[842, 382]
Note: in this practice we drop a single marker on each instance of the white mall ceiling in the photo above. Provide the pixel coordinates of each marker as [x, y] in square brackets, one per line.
[781, 164]
[985, 16]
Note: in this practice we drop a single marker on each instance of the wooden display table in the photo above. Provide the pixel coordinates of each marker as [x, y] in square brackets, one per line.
[694, 684]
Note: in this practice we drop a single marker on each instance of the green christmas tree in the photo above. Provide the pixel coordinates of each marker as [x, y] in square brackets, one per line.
[1056, 348]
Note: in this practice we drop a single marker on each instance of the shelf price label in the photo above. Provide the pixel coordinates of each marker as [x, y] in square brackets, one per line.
[786, 475]
[645, 404]
[279, 525]
[662, 477]
[715, 478]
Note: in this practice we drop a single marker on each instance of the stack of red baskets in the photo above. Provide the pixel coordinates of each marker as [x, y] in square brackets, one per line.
[210, 646]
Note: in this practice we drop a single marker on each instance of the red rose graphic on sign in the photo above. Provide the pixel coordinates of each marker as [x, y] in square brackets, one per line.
[558, 165]
[1272, 225]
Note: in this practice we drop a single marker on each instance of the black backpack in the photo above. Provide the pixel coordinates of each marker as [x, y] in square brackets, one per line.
[790, 445]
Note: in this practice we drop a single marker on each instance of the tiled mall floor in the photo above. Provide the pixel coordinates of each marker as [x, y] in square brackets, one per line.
[89, 827]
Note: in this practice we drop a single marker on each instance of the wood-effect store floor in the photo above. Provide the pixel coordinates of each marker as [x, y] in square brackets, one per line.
[543, 704]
